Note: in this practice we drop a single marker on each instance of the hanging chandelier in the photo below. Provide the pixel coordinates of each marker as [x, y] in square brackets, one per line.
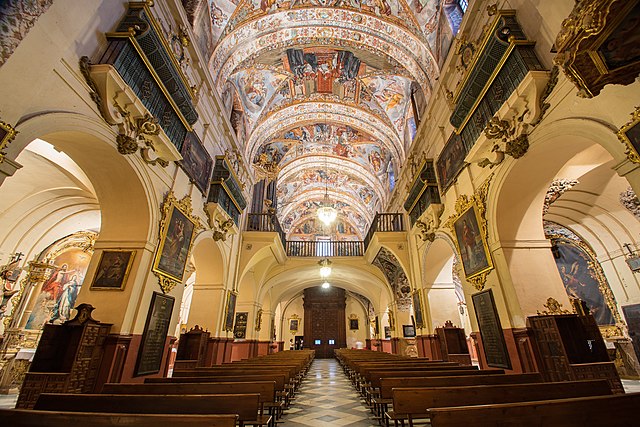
[326, 212]
[325, 267]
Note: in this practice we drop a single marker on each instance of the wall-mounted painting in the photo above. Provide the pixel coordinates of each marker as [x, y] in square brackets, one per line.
[629, 134]
[450, 162]
[293, 325]
[353, 324]
[113, 269]
[175, 242]
[230, 310]
[471, 243]
[408, 331]
[196, 162]
[70, 258]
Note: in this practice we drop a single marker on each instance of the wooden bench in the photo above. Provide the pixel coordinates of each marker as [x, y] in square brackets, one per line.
[611, 411]
[246, 406]
[371, 389]
[33, 418]
[412, 403]
[282, 392]
[266, 390]
[381, 403]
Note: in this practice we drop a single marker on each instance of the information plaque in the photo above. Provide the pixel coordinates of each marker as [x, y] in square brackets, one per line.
[155, 334]
[495, 347]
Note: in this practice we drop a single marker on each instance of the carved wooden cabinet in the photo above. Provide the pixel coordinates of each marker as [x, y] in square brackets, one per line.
[453, 344]
[569, 347]
[67, 359]
[192, 348]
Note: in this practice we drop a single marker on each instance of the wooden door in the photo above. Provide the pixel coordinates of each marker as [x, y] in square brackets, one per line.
[325, 325]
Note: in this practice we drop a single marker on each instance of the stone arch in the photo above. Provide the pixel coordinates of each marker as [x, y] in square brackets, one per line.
[90, 143]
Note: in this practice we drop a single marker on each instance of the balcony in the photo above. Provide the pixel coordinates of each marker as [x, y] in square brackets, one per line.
[384, 222]
[268, 222]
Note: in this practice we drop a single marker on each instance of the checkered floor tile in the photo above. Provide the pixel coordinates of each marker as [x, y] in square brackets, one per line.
[327, 398]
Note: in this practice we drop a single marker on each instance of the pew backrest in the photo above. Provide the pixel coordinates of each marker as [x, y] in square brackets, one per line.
[388, 384]
[418, 400]
[611, 411]
[32, 418]
[246, 406]
[266, 389]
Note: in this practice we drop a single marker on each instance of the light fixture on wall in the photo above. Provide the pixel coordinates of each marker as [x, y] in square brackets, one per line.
[326, 285]
[325, 267]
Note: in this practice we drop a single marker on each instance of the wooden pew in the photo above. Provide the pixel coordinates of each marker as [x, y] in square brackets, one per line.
[33, 418]
[246, 406]
[611, 411]
[372, 388]
[266, 390]
[282, 394]
[381, 403]
[412, 403]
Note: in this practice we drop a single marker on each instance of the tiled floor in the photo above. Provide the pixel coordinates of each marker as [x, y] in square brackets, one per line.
[327, 398]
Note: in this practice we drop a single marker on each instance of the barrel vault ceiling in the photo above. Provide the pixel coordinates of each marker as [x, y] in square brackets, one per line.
[321, 95]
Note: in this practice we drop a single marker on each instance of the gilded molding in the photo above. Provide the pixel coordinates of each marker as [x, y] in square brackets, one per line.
[583, 35]
[630, 150]
[166, 282]
[596, 271]
[7, 134]
[553, 307]
[464, 203]
[137, 130]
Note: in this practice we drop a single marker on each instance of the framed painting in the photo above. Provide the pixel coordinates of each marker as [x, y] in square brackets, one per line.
[196, 162]
[629, 134]
[293, 325]
[417, 309]
[387, 332]
[450, 162]
[154, 337]
[113, 270]
[353, 324]
[408, 331]
[471, 243]
[495, 347]
[177, 230]
[230, 311]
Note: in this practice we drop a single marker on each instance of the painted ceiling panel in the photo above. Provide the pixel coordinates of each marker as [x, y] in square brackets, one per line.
[322, 97]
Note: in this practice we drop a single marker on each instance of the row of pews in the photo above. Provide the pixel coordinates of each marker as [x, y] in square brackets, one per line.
[403, 390]
[253, 392]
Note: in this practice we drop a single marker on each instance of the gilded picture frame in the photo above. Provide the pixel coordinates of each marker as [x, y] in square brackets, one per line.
[230, 311]
[113, 269]
[629, 135]
[471, 243]
[7, 134]
[177, 229]
[470, 234]
[294, 324]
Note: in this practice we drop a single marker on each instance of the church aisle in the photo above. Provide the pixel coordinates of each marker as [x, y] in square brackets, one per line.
[327, 398]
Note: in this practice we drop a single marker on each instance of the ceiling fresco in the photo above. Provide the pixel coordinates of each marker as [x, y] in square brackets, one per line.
[323, 93]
